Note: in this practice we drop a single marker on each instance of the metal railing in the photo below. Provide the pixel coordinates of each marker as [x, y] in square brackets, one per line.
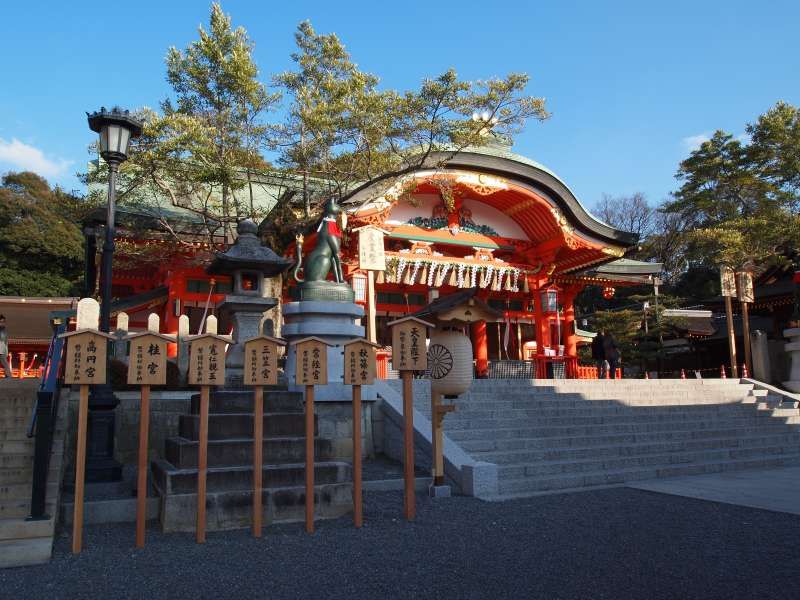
[43, 420]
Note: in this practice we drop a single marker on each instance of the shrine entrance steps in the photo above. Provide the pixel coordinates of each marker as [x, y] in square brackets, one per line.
[24, 542]
[230, 465]
[547, 435]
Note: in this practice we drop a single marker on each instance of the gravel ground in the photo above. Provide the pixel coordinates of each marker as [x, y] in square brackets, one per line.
[614, 543]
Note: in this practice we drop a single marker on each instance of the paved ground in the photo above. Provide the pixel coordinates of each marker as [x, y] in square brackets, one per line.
[614, 543]
[772, 489]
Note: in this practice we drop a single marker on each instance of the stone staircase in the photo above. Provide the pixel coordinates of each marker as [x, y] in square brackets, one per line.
[546, 435]
[230, 465]
[24, 542]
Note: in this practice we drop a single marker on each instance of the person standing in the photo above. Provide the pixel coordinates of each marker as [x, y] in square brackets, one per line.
[4, 347]
[599, 354]
[611, 351]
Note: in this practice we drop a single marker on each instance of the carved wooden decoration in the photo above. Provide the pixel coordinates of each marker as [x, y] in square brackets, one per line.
[261, 360]
[409, 351]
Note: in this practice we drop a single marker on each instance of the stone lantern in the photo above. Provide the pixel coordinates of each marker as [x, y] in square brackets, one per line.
[254, 269]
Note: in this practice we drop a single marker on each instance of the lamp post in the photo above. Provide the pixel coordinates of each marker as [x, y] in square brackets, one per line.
[116, 128]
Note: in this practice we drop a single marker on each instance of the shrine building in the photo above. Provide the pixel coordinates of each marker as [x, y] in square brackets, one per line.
[485, 219]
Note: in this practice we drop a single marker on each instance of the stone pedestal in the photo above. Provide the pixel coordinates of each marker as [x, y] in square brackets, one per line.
[245, 313]
[793, 349]
[335, 323]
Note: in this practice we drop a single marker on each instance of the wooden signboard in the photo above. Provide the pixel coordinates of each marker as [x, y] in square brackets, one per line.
[260, 369]
[311, 362]
[261, 360]
[371, 254]
[727, 282]
[359, 362]
[86, 358]
[207, 359]
[409, 351]
[744, 287]
[409, 354]
[147, 364]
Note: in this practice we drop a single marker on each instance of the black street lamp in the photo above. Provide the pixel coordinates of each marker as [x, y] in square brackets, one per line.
[116, 129]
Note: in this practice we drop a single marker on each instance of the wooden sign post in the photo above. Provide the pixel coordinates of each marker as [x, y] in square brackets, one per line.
[409, 354]
[311, 368]
[87, 356]
[371, 258]
[728, 288]
[147, 366]
[260, 369]
[206, 369]
[359, 369]
[744, 291]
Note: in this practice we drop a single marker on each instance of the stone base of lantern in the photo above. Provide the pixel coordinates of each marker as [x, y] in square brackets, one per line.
[245, 313]
[793, 349]
[334, 322]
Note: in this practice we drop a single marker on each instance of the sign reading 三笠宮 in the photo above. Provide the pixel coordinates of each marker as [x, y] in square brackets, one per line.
[359, 363]
[207, 361]
[148, 361]
[86, 359]
[371, 254]
[409, 352]
[261, 361]
[311, 366]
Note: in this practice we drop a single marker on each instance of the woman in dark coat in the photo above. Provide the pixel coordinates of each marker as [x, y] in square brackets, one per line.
[599, 354]
[611, 351]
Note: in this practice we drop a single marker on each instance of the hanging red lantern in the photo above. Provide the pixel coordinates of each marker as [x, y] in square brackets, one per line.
[608, 292]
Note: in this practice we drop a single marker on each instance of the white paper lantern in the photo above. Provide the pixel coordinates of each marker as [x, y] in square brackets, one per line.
[450, 362]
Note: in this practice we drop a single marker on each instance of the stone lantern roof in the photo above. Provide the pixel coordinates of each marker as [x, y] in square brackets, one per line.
[248, 253]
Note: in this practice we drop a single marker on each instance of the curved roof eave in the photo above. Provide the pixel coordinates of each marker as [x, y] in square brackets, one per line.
[515, 167]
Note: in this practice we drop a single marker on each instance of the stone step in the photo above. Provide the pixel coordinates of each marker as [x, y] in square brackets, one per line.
[14, 411]
[454, 425]
[609, 411]
[239, 425]
[25, 552]
[594, 429]
[17, 507]
[24, 446]
[527, 485]
[241, 401]
[170, 480]
[182, 453]
[543, 455]
[476, 446]
[22, 491]
[656, 460]
[233, 509]
[535, 403]
[21, 529]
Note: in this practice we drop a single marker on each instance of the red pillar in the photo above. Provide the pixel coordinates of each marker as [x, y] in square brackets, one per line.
[570, 339]
[542, 324]
[480, 348]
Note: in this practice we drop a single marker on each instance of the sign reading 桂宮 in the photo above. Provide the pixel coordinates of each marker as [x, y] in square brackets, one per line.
[148, 360]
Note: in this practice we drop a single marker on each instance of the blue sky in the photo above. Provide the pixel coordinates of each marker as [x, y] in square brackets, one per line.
[631, 85]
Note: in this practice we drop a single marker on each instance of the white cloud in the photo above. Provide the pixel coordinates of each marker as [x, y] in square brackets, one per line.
[29, 158]
[693, 142]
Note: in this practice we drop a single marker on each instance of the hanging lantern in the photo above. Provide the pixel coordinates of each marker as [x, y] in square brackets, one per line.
[549, 298]
[608, 292]
[450, 362]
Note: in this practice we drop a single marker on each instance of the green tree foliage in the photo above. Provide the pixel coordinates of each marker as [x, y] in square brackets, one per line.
[344, 130]
[740, 199]
[41, 245]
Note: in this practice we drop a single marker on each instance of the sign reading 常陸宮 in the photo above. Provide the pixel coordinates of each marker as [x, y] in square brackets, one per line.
[86, 358]
[311, 362]
[261, 360]
[359, 363]
[409, 348]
